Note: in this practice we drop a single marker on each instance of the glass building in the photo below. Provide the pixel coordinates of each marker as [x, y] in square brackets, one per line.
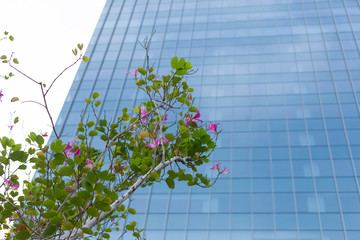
[282, 77]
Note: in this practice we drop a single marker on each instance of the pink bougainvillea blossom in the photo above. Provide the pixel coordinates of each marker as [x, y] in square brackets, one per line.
[89, 164]
[134, 73]
[225, 171]
[216, 166]
[156, 143]
[67, 150]
[44, 135]
[10, 127]
[213, 127]
[69, 146]
[10, 185]
[77, 152]
[192, 118]
[142, 114]
[1, 95]
[189, 97]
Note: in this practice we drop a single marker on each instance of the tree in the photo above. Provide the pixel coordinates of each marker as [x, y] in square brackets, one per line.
[81, 189]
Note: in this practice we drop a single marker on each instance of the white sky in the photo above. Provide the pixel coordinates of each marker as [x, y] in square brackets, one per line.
[45, 32]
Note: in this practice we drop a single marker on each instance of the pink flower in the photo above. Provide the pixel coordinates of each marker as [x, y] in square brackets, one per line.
[134, 128]
[224, 171]
[1, 95]
[142, 114]
[134, 73]
[89, 164]
[74, 140]
[156, 143]
[77, 152]
[192, 118]
[213, 127]
[10, 127]
[189, 97]
[44, 135]
[216, 166]
[67, 150]
[69, 147]
[10, 185]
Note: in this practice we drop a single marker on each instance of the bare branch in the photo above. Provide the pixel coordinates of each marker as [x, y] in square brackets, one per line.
[52, 83]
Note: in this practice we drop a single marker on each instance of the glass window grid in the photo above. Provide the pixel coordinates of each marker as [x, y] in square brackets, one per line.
[323, 99]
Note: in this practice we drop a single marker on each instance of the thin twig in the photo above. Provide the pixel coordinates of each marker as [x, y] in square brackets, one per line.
[62, 73]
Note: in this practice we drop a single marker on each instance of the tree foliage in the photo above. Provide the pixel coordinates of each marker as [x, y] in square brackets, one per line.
[81, 190]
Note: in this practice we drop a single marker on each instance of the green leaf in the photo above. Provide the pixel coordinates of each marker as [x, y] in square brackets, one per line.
[132, 211]
[22, 235]
[174, 62]
[130, 227]
[193, 109]
[153, 175]
[97, 103]
[93, 212]
[49, 203]
[16, 120]
[88, 100]
[65, 171]
[16, 147]
[80, 46]
[57, 146]
[170, 137]
[181, 72]
[56, 220]
[103, 206]
[16, 61]
[188, 66]
[3, 57]
[181, 63]
[93, 133]
[85, 58]
[87, 230]
[90, 124]
[4, 160]
[84, 194]
[11, 38]
[67, 226]
[23, 166]
[39, 139]
[170, 182]
[95, 95]
[20, 156]
[91, 177]
[106, 235]
[142, 70]
[49, 214]
[52, 229]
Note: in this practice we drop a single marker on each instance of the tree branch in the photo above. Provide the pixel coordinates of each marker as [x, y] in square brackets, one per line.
[62, 73]
[94, 220]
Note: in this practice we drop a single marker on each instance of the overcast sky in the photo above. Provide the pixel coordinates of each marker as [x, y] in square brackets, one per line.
[45, 32]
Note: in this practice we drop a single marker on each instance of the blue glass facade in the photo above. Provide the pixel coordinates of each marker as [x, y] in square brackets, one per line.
[283, 80]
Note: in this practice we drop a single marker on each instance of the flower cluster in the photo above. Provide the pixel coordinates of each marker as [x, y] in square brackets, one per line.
[217, 167]
[69, 146]
[134, 73]
[192, 118]
[156, 143]
[10, 185]
[1, 95]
